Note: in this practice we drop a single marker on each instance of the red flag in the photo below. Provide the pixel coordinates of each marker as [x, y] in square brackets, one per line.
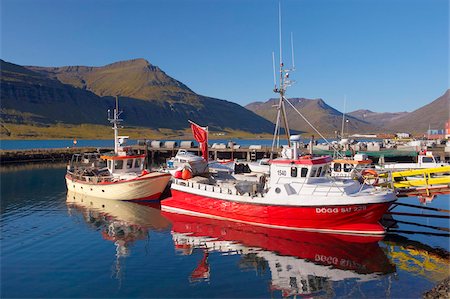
[201, 135]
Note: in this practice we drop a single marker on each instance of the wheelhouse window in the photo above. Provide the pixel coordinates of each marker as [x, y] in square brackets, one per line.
[129, 163]
[324, 170]
[313, 172]
[294, 172]
[319, 171]
[347, 167]
[304, 172]
[337, 167]
[118, 164]
[427, 160]
[137, 163]
[109, 164]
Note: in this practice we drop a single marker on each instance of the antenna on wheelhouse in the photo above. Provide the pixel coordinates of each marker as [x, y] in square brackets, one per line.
[115, 120]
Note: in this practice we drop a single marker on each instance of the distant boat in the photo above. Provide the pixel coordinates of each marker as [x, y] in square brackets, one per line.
[425, 159]
[119, 175]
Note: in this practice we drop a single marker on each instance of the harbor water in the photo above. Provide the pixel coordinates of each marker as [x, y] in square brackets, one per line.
[60, 245]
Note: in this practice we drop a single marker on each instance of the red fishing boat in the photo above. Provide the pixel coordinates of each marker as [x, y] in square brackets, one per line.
[297, 194]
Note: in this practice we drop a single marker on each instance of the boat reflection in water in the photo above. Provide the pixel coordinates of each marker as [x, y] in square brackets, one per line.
[121, 222]
[301, 263]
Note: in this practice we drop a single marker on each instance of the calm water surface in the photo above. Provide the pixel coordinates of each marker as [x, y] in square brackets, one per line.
[55, 244]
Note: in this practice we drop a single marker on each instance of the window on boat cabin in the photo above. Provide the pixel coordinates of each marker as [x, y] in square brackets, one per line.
[118, 164]
[324, 170]
[293, 171]
[109, 164]
[313, 172]
[347, 167]
[129, 163]
[337, 167]
[427, 160]
[319, 171]
[137, 163]
[304, 172]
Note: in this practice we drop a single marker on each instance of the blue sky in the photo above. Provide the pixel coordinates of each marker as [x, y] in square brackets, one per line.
[383, 55]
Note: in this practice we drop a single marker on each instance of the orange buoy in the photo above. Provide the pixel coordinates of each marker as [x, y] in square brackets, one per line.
[186, 174]
[144, 172]
[177, 174]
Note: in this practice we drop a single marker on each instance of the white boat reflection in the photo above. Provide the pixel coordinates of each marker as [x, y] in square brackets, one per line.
[121, 222]
[300, 263]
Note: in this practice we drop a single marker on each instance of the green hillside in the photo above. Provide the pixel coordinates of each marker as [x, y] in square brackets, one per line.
[71, 96]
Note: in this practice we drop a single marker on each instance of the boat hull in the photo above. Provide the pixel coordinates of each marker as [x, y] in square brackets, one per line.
[146, 187]
[352, 219]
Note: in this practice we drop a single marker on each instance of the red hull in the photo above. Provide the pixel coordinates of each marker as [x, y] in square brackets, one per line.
[360, 254]
[344, 219]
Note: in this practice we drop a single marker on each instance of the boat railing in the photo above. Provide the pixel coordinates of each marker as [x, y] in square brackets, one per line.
[328, 190]
[207, 187]
[95, 179]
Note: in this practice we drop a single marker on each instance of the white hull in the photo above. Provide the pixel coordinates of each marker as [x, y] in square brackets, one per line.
[147, 187]
[409, 166]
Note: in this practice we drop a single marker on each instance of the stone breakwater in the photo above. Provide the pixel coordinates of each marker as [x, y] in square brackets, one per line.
[441, 290]
[41, 155]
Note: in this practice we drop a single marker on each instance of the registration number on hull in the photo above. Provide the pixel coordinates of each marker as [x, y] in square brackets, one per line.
[340, 210]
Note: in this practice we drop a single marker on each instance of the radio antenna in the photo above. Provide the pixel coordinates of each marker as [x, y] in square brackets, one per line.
[292, 51]
[279, 28]
[274, 71]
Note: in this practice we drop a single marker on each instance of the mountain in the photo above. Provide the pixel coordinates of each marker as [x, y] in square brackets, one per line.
[382, 118]
[433, 115]
[46, 96]
[323, 117]
[32, 98]
[136, 79]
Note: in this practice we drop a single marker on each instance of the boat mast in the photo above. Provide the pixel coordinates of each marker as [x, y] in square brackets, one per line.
[284, 83]
[343, 118]
[116, 121]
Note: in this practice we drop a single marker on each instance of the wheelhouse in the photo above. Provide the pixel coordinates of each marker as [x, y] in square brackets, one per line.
[345, 167]
[300, 169]
[124, 164]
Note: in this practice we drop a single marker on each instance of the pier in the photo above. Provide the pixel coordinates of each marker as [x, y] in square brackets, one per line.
[158, 151]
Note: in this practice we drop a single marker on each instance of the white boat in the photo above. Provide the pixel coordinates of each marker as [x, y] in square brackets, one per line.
[197, 165]
[261, 166]
[119, 175]
[350, 168]
[424, 160]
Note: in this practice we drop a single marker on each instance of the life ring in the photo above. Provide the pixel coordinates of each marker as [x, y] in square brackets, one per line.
[368, 175]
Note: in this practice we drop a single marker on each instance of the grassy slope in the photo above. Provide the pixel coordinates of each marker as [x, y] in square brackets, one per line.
[34, 99]
[90, 131]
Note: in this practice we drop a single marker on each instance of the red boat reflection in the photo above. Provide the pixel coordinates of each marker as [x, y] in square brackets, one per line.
[299, 262]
